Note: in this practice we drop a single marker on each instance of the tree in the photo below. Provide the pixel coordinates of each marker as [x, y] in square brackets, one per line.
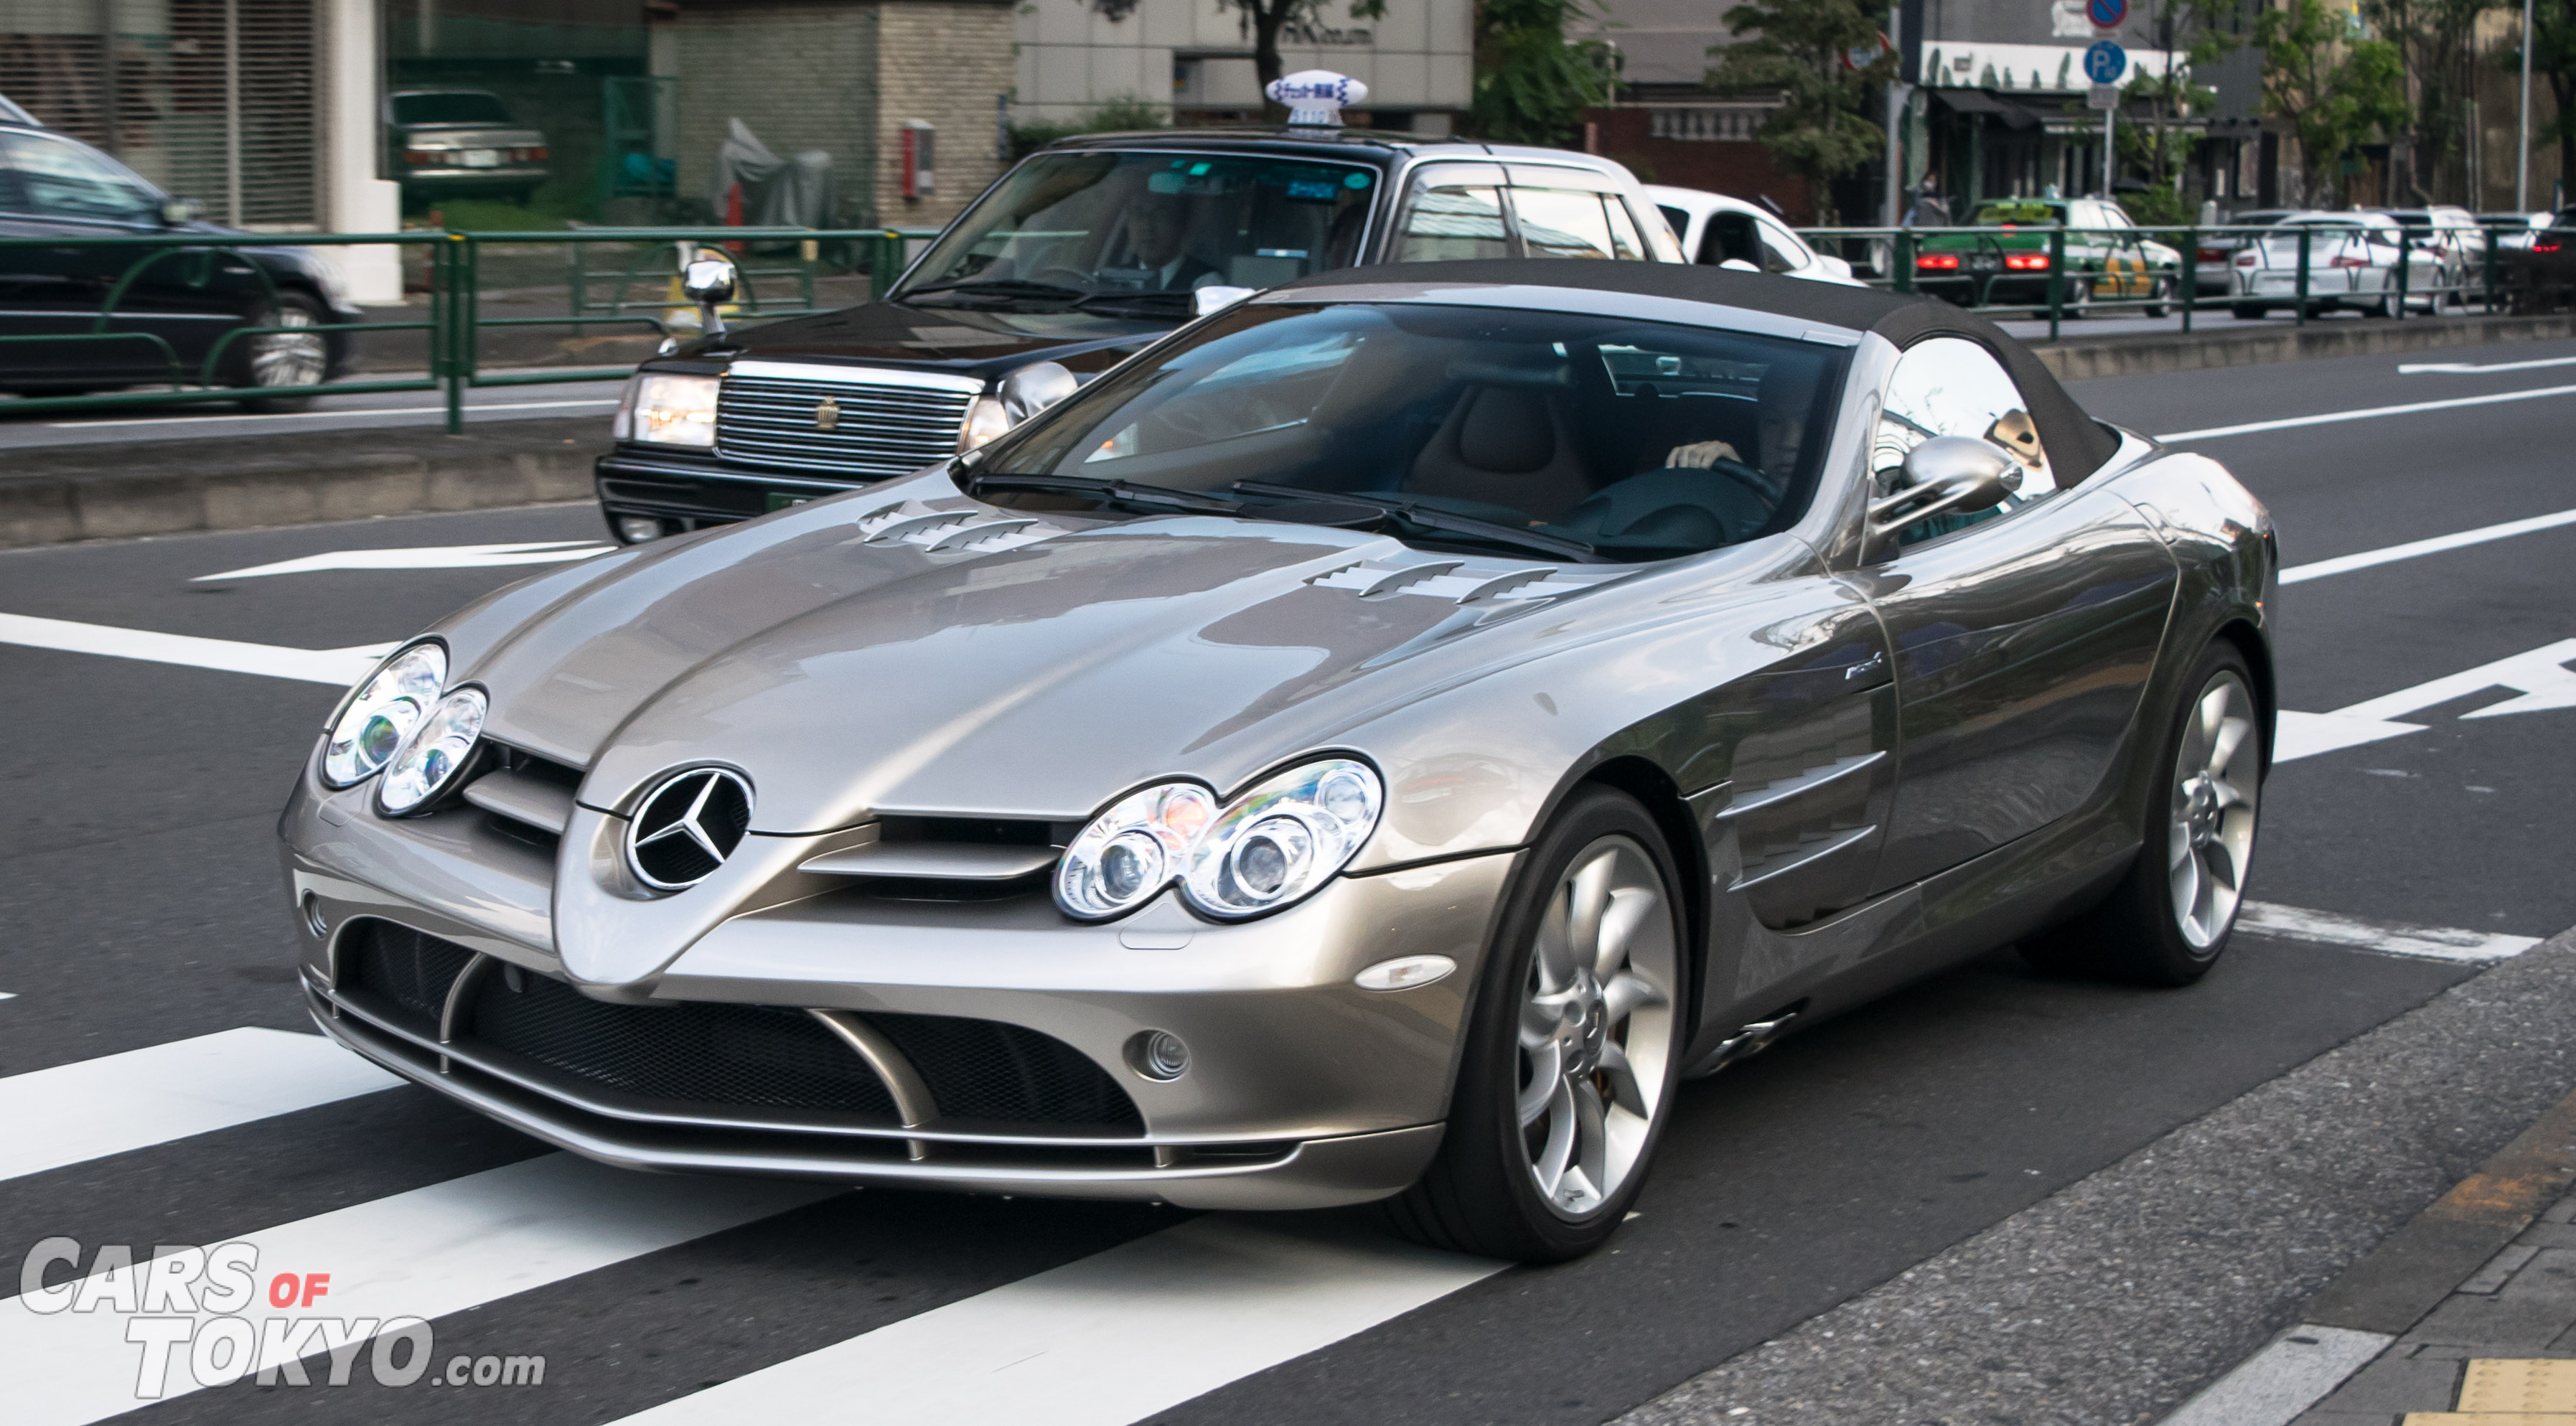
[1800, 49]
[1531, 86]
[2156, 142]
[1265, 19]
[2553, 59]
[2435, 40]
[2334, 91]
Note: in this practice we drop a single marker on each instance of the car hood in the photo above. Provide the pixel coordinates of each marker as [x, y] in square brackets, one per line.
[858, 656]
[943, 338]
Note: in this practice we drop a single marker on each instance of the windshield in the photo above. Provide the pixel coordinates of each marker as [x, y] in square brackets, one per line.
[466, 106]
[1473, 428]
[1069, 226]
[1994, 214]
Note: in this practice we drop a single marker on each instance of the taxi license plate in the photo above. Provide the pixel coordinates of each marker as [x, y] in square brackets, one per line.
[780, 500]
[482, 158]
[1984, 262]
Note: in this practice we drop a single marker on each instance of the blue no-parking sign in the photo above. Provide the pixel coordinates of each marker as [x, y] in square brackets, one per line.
[2105, 62]
[2107, 14]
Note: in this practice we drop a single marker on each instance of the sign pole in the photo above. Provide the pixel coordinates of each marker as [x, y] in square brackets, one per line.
[2522, 125]
[2110, 118]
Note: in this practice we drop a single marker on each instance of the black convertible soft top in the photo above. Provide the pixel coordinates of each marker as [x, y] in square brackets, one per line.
[2077, 445]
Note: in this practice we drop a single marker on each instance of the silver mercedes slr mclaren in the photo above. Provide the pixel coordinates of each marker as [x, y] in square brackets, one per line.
[1370, 745]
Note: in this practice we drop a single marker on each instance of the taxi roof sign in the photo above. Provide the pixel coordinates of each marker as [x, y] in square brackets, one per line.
[1316, 96]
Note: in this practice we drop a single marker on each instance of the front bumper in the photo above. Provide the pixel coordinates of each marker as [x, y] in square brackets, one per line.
[687, 492]
[1302, 1091]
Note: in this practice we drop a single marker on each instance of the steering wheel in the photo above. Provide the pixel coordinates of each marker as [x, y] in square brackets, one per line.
[1749, 478]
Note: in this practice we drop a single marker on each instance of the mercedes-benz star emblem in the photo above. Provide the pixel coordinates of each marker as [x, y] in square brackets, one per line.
[687, 827]
[827, 414]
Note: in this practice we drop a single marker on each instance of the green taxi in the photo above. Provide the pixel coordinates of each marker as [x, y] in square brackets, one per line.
[2107, 258]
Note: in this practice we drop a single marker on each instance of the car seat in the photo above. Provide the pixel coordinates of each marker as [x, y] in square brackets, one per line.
[1504, 445]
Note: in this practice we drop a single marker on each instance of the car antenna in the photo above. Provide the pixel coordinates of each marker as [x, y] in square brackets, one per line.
[1767, 201]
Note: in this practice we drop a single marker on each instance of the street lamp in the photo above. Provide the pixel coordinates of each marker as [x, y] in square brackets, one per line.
[2522, 126]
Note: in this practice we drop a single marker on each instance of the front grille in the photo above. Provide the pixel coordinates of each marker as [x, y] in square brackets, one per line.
[879, 430]
[401, 965]
[704, 1053]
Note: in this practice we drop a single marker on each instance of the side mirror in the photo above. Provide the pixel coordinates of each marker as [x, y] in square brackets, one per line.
[1035, 387]
[708, 279]
[180, 212]
[1946, 475]
[1216, 299]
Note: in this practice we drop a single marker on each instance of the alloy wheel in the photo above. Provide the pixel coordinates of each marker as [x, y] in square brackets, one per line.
[2217, 779]
[1596, 1026]
[287, 358]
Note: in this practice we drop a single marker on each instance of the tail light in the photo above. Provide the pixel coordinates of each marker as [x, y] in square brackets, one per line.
[2348, 262]
[1937, 262]
[531, 154]
[420, 156]
[2544, 245]
[2026, 262]
[2247, 259]
[2213, 254]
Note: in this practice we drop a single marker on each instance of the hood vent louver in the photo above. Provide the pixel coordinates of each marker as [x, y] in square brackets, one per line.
[945, 531]
[1464, 581]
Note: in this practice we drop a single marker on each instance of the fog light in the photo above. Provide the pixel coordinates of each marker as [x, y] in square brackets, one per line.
[1158, 1054]
[636, 529]
[313, 918]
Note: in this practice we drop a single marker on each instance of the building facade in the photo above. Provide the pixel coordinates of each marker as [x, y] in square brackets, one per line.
[1193, 58]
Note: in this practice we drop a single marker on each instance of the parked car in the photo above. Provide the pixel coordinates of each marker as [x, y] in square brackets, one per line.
[1080, 256]
[1368, 747]
[2540, 275]
[2214, 266]
[461, 143]
[2453, 234]
[79, 315]
[1715, 229]
[2514, 230]
[2107, 258]
[2352, 265]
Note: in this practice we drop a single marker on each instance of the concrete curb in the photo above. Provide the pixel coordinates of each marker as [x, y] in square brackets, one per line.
[2155, 352]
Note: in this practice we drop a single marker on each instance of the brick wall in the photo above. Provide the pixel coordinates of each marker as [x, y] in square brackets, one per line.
[1738, 169]
[942, 61]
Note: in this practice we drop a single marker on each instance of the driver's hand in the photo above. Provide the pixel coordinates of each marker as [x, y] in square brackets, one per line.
[1700, 455]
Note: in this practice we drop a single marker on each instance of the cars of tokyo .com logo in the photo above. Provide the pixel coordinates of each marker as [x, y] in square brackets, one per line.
[207, 1317]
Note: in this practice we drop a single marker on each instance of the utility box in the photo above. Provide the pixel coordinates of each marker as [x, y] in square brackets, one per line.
[920, 158]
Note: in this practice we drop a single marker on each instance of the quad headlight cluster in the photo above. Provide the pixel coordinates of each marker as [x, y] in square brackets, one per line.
[402, 723]
[667, 408]
[1267, 848]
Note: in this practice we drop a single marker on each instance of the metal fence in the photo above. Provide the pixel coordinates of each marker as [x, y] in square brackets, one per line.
[617, 279]
[2066, 273]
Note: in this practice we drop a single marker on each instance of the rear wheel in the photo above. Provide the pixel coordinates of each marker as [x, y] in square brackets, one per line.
[1571, 1057]
[285, 358]
[2160, 297]
[2248, 311]
[2169, 917]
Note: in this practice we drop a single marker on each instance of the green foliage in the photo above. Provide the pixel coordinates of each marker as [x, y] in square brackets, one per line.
[2553, 62]
[2160, 206]
[1119, 113]
[2436, 41]
[1798, 51]
[1531, 86]
[2336, 94]
[2152, 137]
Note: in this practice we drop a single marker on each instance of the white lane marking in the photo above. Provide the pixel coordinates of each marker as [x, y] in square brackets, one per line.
[426, 557]
[2345, 564]
[427, 1253]
[1104, 1341]
[2276, 1384]
[337, 667]
[2450, 367]
[357, 414]
[8, 995]
[2388, 938]
[116, 1103]
[2330, 417]
[2541, 676]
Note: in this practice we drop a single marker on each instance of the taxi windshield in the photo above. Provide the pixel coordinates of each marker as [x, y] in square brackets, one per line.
[1105, 231]
[2029, 212]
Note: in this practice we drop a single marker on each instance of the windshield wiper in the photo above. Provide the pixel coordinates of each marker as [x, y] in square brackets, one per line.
[1186, 301]
[1007, 288]
[1434, 519]
[1123, 491]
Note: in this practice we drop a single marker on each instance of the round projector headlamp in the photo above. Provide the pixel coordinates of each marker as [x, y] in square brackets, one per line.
[1265, 849]
[435, 753]
[382, 712]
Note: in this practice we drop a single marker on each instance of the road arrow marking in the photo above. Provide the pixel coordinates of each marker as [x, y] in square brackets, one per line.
[426, 557]
[2540, 676]
[2454, 367]
[2388, 938]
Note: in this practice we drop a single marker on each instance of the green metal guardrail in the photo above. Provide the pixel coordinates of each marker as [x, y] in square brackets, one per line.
[1894, 258]
[455, 317]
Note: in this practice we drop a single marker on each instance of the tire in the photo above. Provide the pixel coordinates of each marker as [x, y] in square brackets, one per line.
[2248, 311]
[2144, 931]
[2078, 301]
[281, 359]
[2160, 298]
[1566, 1026]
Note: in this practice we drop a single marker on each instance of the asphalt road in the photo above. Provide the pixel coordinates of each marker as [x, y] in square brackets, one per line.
[139, 906]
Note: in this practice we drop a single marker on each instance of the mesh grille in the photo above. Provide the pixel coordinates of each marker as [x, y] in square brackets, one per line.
[877, 430]
[401, 965]
[983, 1069]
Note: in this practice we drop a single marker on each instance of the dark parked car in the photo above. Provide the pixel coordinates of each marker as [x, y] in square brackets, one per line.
[79, 315]
[1076, 259]
[2540, 275]
[461, 143]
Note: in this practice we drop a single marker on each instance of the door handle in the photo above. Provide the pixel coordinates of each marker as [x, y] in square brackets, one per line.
[1872, 664]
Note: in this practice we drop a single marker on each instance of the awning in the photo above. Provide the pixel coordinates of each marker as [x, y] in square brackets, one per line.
[1980, 101]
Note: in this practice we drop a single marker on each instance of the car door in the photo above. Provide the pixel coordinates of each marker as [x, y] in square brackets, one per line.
[2022, 636]
[66, 191]
[1452, 212]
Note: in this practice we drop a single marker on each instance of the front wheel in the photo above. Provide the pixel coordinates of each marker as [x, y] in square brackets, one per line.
[2169, 917]
[1571, 1057]
[288, 357]
[2248, 311]
[2160, 297]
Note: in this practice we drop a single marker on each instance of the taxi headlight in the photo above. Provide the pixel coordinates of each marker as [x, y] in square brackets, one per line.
[1267, 848]
[381, 712]
[429, 760]
[985, 419]
[668, 408]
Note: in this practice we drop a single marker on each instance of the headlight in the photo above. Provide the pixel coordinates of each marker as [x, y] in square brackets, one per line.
[436, 751]
[987, 418]
[382, 712]
[664, 408]
[1268, 848]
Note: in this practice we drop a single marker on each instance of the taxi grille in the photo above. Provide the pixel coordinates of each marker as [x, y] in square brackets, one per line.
[876, 430]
